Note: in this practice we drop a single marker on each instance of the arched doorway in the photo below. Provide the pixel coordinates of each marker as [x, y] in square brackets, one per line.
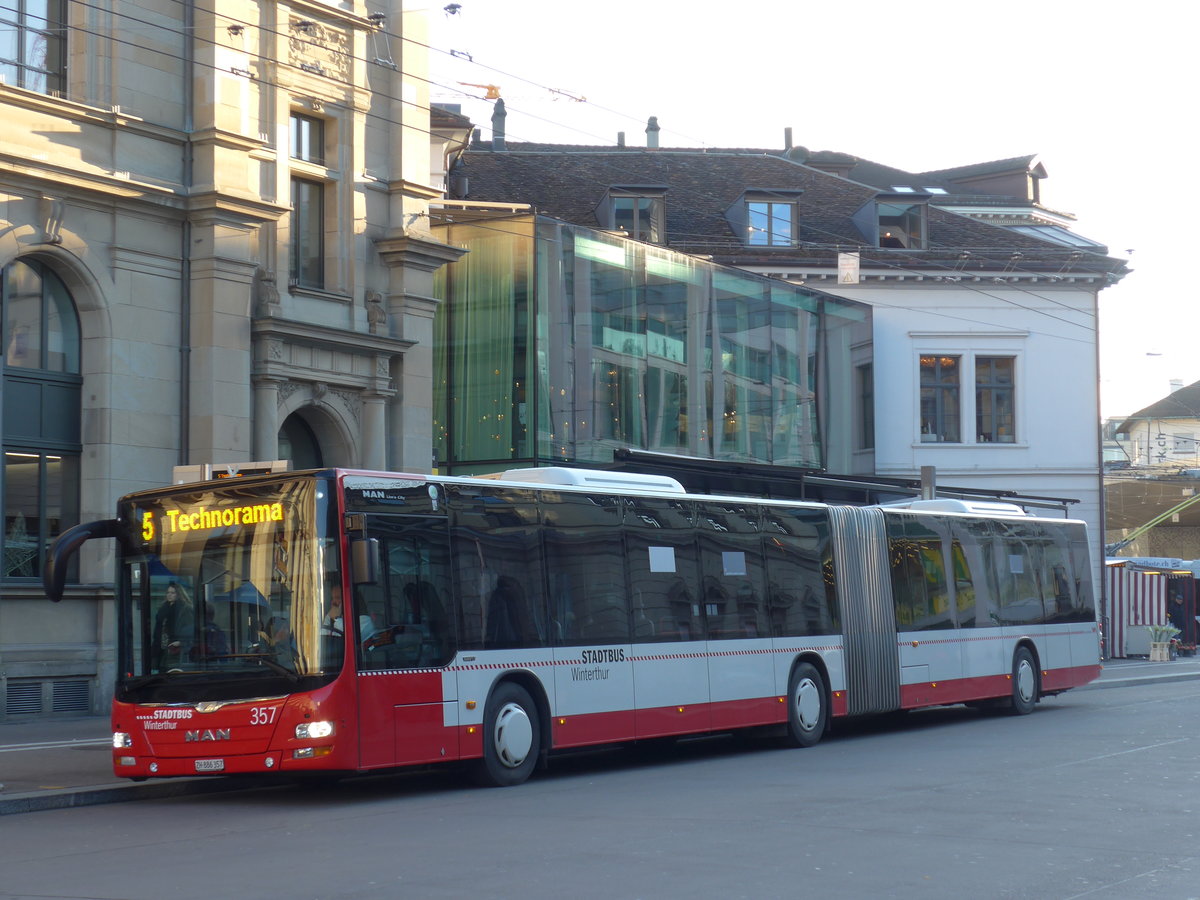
[298, 443]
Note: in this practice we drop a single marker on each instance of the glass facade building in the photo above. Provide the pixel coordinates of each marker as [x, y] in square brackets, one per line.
[558, 344]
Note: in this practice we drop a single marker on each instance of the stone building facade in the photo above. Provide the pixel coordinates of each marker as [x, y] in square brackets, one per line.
[215, 249]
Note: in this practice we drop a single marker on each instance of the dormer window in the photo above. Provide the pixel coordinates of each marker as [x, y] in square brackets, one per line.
[901, 225]
[637, 211]
[765, 217]
[770, 223]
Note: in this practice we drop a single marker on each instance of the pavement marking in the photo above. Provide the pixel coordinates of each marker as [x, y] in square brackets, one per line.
[55, 745]
[1124, 752]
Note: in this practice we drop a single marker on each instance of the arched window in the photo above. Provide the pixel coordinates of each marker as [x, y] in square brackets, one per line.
[39, 409]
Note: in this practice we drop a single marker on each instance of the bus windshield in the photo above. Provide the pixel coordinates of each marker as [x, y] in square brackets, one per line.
[227, 584]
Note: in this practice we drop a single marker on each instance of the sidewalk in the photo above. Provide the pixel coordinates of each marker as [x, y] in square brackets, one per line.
[57, 763]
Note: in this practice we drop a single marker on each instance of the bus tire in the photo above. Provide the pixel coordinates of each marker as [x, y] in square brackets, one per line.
[1024, 683]
[511, 737]
[808, 706]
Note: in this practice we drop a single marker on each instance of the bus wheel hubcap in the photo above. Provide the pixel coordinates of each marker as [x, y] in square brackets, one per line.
[808, 704]
[514, 735]
[1025, 680]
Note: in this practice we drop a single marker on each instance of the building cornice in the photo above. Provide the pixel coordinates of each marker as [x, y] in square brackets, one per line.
[235, 209]
[357, 343]
[414, 250]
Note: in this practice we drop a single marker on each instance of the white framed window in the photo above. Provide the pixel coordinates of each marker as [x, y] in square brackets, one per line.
[307, 139]
[33, 44]
[313, 198]
[968, 397]
[770, 223]
[941, 398]
[995, 411]
[307, 250]
[638, 212]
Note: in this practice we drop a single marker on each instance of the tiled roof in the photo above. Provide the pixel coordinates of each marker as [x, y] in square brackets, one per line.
[570, 183]
[1181, 404]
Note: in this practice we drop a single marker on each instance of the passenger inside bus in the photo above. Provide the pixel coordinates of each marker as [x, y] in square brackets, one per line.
[506, 614]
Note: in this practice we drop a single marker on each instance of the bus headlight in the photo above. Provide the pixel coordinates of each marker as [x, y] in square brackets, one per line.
[309, 730]
[121, 740]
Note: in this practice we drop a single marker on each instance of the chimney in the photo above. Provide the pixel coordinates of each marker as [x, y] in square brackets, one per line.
[787, 139]
[1176, 384]
[498, 116]
[652, 132]
[620, 139]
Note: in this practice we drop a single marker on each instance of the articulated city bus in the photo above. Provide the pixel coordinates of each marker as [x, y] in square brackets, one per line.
[340, 621]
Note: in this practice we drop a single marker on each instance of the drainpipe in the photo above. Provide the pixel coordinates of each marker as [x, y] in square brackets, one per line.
[185, 239]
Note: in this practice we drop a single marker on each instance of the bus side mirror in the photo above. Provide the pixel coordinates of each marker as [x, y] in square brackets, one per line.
[364, 560]
[65, 546]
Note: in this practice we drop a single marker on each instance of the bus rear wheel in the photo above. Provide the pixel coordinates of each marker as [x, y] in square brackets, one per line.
[511, 738]
[808, 709]
[1024, 683]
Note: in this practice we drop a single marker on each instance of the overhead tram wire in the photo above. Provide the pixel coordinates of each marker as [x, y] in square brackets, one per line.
[609, 160]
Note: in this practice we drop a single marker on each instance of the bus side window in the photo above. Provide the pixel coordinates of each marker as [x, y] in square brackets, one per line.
[497, 551]
[585, 564]
[663, 569]
[801, 594]
[732, 569]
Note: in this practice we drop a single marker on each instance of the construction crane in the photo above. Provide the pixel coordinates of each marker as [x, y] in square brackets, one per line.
[493, 91]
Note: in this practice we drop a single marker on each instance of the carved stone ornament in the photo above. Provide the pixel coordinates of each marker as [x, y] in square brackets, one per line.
[376, 314]
[319, 49]
[51, 211]
[266, 294]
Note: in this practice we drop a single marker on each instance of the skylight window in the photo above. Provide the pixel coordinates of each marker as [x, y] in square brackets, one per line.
[935, 190]
[903, 189]
[1057, 235]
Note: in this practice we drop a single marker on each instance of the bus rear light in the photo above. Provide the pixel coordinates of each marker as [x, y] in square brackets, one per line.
[121, 740]
[309, 730]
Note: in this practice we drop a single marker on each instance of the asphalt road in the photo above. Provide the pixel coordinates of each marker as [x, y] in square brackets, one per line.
[1094, 795]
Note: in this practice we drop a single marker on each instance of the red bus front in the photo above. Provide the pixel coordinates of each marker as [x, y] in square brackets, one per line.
[231, 633]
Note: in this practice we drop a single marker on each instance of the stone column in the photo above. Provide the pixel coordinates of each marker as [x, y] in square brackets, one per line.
[412, 260]
[374, 436]
[266, 418]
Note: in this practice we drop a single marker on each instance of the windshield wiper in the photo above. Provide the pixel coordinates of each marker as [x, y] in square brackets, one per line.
[263, 659]
[278, 668]
[145, 681]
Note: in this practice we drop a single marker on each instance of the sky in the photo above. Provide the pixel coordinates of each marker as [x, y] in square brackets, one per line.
[1102, 92]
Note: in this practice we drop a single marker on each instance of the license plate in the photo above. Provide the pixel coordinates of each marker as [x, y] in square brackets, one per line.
[210, 765]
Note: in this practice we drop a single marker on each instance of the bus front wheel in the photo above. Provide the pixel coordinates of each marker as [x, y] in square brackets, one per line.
[808, 708]
[511, 737]
[1024, 682]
